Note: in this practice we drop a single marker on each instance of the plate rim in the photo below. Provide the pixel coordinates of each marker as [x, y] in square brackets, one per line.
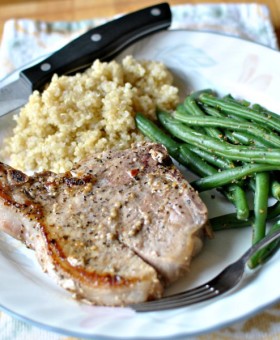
[218, 326]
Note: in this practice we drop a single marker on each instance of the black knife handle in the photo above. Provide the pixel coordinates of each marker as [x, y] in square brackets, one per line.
[103, 42]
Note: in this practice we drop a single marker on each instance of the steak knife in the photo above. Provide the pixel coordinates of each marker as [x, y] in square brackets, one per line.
[103, 42]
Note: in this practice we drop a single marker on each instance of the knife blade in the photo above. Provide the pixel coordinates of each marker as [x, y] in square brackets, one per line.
[103, 42]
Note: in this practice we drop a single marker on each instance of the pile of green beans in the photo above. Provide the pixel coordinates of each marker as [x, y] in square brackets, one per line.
[233, 146]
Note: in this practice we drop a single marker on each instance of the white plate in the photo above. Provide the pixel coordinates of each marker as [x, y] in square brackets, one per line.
[199, 60]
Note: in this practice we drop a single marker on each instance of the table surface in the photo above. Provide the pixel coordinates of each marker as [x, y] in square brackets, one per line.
[83, 9]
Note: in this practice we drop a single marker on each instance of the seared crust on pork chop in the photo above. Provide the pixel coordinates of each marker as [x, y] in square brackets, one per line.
[114, 230]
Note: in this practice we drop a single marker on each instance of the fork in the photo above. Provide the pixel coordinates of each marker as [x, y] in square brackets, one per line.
[222, 283]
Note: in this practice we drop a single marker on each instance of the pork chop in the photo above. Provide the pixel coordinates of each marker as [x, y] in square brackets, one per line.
[114, 230]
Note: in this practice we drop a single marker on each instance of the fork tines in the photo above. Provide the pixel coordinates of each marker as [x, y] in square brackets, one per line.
[198, 294]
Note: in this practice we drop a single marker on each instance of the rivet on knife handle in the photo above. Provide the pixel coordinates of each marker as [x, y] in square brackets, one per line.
[103, 42]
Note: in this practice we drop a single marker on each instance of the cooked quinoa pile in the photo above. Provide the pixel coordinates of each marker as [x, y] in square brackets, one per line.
[93, 111]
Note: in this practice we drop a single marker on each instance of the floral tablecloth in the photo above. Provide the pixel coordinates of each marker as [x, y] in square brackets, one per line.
[24, 40]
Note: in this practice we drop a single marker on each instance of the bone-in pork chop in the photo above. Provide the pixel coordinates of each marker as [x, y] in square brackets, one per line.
[115, 230]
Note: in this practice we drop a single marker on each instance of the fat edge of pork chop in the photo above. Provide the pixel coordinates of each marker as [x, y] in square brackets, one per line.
[87, 226]
[95, 267]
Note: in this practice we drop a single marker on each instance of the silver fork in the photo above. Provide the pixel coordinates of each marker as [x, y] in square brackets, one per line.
[220, 284]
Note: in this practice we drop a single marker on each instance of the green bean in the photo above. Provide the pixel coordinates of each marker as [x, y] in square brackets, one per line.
[261, 109]
[243, 102]
[244, 138]
[153, 132]
[189, 110]
[197, 112]
[230, 221]
[228, 176]
[211, 111]
[215, 112]
[196, 94]
[223, 149]
[236, 194]
[255, 107]
[264, 254]
[273, 211]
[273, 139]
[181, 108]
[258, 107]
[249, 139]
[228, 97]
[270, 119]
[275, 189]
[194, 163]
[237, 137]
[218, 162]
[260, 205]
[228, 137]
[228, 134]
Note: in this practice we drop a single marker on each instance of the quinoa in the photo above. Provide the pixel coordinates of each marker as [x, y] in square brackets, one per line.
[90, 112]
